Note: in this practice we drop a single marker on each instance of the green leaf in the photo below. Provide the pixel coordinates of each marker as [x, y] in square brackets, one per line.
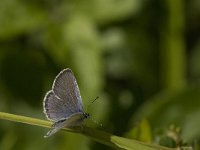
[129, 144]
[141, 132]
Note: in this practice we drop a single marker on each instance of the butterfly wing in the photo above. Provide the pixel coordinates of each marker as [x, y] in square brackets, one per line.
[55, 108]
[73, 120]
[64, 99]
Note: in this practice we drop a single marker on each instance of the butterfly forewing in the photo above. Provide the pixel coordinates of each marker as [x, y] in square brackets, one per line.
[65, 87]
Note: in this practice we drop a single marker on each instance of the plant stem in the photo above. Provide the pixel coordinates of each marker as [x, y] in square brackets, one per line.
[173, 53]
[97, 135]
[23, 119]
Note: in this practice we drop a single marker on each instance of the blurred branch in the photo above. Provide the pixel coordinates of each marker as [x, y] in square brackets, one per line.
[173, 55]
[99, 136]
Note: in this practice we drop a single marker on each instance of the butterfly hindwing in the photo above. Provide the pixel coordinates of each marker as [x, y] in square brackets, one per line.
[55, 108]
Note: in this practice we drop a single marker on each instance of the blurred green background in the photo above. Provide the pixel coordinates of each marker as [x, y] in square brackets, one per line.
[141, 57]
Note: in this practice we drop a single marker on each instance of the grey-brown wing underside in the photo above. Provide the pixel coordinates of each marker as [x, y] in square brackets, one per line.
[74, 120]
[64, 99]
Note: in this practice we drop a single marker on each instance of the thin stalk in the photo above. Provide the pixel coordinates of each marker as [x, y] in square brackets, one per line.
[97, 135]
[173, 53]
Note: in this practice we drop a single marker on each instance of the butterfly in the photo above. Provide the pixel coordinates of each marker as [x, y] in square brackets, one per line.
[63, 104]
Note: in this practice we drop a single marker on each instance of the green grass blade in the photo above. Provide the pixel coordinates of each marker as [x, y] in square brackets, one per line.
[97, 135]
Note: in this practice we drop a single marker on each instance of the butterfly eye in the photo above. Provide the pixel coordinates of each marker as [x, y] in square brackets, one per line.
[86, 115]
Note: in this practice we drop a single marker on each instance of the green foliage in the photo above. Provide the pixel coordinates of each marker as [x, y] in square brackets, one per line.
[180, 107]
[140, 57]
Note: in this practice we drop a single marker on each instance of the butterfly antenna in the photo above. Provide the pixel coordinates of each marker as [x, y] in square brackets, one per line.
[91, 103]
[93, 120]
[95, 99]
